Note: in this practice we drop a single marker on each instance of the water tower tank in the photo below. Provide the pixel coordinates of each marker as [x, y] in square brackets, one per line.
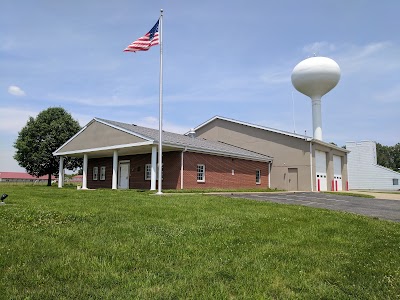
[314, 77]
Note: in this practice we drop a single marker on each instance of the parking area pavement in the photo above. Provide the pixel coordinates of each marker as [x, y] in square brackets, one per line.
[380, 208]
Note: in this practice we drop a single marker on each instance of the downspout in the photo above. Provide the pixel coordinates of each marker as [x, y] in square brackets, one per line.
[182, 167]
[182, 170]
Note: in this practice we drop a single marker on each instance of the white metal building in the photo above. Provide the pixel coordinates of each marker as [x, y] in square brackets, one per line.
[365, 173]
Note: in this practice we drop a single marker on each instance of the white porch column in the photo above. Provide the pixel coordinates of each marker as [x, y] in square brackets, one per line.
[115, 170]
[182, 169]
[84, 173]
[153, 168]
[269, 174]
[61, 173]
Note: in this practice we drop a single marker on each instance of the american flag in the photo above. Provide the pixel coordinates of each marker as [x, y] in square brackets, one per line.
[145, 42]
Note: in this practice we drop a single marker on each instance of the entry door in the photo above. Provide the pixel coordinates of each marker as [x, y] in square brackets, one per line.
[320, 165]
[337, 173]
[293, 179]
[123, 182]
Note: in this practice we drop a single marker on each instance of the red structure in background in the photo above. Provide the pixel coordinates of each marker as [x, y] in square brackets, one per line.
[22, 177]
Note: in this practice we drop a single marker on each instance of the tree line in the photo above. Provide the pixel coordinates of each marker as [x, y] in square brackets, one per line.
[388, 156]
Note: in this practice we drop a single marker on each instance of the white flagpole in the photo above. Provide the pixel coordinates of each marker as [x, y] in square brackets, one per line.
[161, 113]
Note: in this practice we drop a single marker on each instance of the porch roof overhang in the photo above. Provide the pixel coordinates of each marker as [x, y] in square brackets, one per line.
[125, 149]
[145, 148]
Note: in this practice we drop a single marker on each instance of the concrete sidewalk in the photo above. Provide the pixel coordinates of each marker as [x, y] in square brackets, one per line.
[380, 194]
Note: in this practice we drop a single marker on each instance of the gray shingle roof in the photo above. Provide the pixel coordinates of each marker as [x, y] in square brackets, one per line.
[183, 141]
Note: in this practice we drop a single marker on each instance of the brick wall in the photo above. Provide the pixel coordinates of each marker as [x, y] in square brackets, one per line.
[171, 173]
[99, 162]
[218, 171]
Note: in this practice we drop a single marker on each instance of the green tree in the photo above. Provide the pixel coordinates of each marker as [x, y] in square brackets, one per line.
[383, 155]
[40, 137]
[396, 156]
[388, 156]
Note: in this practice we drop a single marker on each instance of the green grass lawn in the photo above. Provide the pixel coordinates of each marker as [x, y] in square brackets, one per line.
[104, 244]
[350, 194]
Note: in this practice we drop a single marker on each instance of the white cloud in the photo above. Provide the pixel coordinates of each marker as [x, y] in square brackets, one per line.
[276, 76]
[319, 48]
[171, 127]
[368, 59]
[81, 118]
[389, 96]
[112, 101]
[15, 90]
[7, 162]
[7, 44]
[13, 119]
[372, 57]
[373, 48]
[152, 122]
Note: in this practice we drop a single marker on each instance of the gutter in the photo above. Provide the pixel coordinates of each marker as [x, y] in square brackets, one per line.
[115, 147]
[220, 153]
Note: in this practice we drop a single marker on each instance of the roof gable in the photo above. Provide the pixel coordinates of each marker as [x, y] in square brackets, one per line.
[98, 134]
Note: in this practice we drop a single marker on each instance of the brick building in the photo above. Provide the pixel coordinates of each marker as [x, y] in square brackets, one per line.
[120, 156]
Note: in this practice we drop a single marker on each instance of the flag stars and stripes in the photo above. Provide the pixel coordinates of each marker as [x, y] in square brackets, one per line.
[145, 42]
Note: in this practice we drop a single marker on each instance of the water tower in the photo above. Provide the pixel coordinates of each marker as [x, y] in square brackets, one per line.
[314, 77]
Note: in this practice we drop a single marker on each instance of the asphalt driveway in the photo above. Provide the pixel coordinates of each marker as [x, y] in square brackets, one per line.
[380, 208]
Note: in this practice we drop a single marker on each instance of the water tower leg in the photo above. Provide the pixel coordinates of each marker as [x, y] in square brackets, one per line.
[317, 120]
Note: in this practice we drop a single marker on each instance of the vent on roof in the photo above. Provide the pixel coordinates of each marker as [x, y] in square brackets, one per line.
[191, 133]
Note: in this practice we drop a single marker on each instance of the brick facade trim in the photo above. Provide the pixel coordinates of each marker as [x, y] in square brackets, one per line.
[220, 172]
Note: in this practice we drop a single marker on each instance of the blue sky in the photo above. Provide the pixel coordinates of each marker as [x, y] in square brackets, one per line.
[227, 58]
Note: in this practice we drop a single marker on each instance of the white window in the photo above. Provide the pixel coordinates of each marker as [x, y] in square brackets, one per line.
[103, 173]
[201, 173]
[95, 173]
[258, 177]
[147, 172]
[395, 181]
